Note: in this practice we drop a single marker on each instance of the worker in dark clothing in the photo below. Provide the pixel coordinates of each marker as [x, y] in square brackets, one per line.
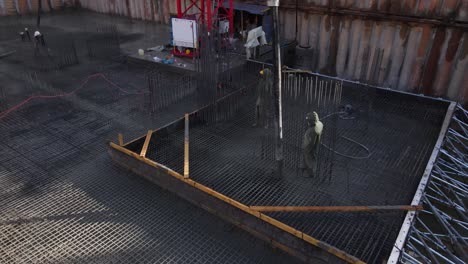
[311, 144]
[26, 32]
[42, 40]
[264, 104]
[37, 43]
[23, 37]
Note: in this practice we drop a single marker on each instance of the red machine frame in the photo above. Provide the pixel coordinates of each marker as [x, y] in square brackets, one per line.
[206, 15]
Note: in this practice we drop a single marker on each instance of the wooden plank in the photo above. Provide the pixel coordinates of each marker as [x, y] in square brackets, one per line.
[186, 147]
[146, 160]
[333, 250]
[146, 144]
[120, 136]
[280, 225]
[336, 208]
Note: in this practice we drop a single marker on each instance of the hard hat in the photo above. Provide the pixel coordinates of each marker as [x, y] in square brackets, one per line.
[25, 29]
[37, 33]
[187, 51]
[262, 72]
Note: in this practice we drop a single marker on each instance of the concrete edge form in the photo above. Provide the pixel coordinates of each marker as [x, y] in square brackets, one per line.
[276, 233]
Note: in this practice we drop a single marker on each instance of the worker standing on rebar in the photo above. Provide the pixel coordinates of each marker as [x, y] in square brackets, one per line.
[311, 144]
[37, 43]
[263, 106]
[26, 31]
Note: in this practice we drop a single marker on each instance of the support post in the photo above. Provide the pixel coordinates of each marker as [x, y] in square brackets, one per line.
[39, 11]
[179, 9]
[120, 136]
[209, 19]
[146, 144]
[202, 11]
[186, 147]
[231, 18]
[274, 4]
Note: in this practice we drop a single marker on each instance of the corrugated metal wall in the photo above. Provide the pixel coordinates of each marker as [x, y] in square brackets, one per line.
[410, 45]
[153, 10]
[24, 7]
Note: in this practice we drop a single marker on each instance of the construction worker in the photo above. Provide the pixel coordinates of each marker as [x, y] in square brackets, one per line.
[37, 42]
[310, 145]
[23, 37]
[264, 104]
[26, 31]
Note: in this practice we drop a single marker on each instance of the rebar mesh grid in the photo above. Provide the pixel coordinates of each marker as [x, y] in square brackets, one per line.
[62, 200]
[440, 232]
[381, 151]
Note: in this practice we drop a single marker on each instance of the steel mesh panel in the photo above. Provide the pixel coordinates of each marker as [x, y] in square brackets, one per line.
[62, 199]
[235, 159]
[438, 233]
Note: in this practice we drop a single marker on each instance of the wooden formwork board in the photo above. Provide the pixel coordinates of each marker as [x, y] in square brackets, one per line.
[278, 234]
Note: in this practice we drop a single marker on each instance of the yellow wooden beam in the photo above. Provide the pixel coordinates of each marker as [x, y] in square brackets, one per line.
[334, 251]
[146, 144]
[121, 142]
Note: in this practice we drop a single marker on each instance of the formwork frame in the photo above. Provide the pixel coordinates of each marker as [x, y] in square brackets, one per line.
[442, 187]
[282, 235]
[278, 234]
[410, 216]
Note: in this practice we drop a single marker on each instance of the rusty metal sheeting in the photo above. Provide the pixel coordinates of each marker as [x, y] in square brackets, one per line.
[24, 7]
[414, 46]
[152, 10]
[417, 58]
[418, 50]
[432, 9]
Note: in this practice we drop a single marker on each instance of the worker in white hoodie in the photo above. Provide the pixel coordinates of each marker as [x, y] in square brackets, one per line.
[311, 144]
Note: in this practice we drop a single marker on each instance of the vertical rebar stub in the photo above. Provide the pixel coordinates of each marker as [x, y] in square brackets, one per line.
[186, 147]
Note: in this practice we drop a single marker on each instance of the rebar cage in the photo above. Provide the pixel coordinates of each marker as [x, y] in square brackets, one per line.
[62, 198]
[375, 147]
